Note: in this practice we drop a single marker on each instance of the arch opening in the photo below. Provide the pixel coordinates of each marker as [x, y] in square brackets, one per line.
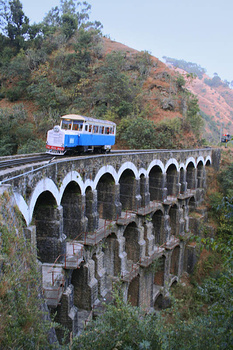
[156, 183]
[127, 190]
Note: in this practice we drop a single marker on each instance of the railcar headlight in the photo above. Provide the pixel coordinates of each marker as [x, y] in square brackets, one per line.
[56, 128]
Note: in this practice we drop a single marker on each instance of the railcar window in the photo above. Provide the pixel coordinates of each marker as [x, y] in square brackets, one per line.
[101, 130]
[90, 128]
[77, 126]
[107, 130]
[66, 124]
[86, 127]
[95, 128]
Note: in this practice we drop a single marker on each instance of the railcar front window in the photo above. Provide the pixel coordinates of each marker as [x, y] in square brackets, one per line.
[66, 124]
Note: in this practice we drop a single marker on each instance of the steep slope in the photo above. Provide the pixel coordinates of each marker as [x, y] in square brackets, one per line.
[215, 101]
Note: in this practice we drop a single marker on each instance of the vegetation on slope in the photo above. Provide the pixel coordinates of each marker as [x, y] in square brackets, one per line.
[24, 322]
[61, 65]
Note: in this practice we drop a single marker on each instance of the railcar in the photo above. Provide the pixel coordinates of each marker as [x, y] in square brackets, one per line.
[78, 134]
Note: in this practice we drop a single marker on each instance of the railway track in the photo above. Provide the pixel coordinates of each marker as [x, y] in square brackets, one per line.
[14, 162]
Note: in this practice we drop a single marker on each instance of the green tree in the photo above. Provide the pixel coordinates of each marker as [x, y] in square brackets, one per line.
[122, 326]
[14, 22]
[194, 117]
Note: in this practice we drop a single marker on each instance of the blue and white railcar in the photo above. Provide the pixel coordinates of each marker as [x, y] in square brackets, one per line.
[77, 133]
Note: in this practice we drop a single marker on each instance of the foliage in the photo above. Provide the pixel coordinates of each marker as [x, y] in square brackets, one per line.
[139, 132]
[121, 327]
[15, 131]
[23, 322]
[194, 117]
[114, 89]
[214, 82]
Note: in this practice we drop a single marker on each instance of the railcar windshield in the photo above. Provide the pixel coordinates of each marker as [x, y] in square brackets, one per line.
[66, 124]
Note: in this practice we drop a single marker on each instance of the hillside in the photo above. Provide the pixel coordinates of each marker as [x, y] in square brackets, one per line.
[65, 68]
[215, 100]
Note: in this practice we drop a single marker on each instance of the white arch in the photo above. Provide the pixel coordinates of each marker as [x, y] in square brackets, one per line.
[172, 161]
[125, 166]
[142, 171]
[42, 186]
[182, 165]
[71, 176]
[200, 158]
[105, 169]
[190, 160]
[154, 163]
[208, 158]
[23, 207]
[88, 183]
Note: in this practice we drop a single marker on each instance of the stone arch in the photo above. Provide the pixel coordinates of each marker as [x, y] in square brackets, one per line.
[173, 214]
[127, 166]
[72, 176]
[200, 174]
[127, 183]
[42, 186]
[158, 303]
[107, 169]
[156, 183]
[133, 291]
[49, 224]
[106, 197]
[192, 203]
[158, 227]
[112, 261]
[73, 209]
[83, 289]
[132, 248]
[172, 180]
[191, 176]
[175, 260]
[208, 161]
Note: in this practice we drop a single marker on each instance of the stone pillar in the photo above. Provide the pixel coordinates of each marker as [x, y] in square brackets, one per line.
[30, 234]
[50, 237]
[145, 289]
[183, 182]
[167, 227]
[91, 211]
[73, 212]
[100, 273]
[85, 286]
[130, 197]
[117, 203]
[149, 238]
[163, 188]
[137, 200]
[144, 191]
[67, 314]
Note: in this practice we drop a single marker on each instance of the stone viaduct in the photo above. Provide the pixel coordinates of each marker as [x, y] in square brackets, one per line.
[103, 218]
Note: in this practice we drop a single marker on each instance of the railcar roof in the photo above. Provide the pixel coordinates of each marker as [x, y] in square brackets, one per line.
[87, 119]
